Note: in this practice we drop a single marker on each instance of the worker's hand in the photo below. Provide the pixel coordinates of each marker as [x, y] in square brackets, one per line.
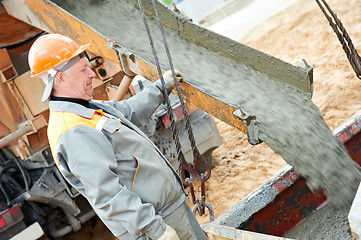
[168, 76]
[169, 234]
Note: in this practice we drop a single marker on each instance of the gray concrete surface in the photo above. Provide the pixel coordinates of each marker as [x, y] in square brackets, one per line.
[327, 223]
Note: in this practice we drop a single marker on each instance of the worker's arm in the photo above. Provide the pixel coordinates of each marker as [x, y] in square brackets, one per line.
[139, 108]
[91, 160]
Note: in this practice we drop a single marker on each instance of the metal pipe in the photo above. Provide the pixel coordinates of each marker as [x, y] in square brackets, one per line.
[96, 62]
[15, 135]
[123, 88]
[67, 229]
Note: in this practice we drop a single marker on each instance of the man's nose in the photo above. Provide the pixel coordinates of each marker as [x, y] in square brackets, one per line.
[92, 74]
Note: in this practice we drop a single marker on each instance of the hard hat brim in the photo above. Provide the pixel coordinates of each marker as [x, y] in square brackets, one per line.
[79, 51]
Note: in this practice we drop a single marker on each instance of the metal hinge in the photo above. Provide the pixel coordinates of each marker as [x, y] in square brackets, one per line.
[252, 128]
[123, 55]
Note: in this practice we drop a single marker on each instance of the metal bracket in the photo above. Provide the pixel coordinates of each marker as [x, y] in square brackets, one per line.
[309, 69]
[252, 129]
[123, 55]
[52, 189]
[6, 66]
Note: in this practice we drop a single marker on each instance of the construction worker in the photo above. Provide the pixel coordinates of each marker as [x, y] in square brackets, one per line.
[100, 151]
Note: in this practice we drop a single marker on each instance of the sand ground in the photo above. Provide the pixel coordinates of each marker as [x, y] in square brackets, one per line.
[300, 31]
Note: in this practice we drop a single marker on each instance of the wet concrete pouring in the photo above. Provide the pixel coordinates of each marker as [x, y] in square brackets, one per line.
[288, 121]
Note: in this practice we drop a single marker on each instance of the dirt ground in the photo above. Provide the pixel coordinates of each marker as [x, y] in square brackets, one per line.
[300, 31]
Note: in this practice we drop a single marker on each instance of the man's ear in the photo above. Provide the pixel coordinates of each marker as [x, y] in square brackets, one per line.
[59, 78]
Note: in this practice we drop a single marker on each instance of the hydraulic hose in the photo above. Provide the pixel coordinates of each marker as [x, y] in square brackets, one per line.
[25, 174]
[6, 195]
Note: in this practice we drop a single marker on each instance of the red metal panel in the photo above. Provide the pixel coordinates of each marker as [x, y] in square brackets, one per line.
[296, 202]
[349, 134]
[288, 209]
[349, 129]
[281, 184]
[353, 147]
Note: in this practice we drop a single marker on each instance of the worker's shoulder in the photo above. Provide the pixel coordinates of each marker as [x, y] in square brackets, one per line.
[70, 120]
[61, 122]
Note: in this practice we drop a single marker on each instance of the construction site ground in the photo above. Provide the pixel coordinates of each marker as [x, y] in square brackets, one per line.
[300, 31]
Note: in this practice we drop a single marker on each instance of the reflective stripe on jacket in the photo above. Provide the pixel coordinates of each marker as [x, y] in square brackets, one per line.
[124, 176]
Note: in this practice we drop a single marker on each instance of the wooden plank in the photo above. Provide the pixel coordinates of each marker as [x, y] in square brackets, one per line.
[31, 89]
[220, 232]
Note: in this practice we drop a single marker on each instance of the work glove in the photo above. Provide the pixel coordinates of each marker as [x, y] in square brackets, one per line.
[169, 234]
[168, 76]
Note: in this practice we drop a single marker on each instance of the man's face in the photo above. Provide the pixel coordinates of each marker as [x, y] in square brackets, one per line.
[78, 80]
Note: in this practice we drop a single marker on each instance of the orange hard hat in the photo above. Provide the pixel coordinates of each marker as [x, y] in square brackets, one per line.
[51, 50]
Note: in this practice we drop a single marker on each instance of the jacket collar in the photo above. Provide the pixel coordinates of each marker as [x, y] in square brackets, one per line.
[63, 106]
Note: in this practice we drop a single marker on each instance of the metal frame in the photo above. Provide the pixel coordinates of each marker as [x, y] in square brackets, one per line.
[51, 18]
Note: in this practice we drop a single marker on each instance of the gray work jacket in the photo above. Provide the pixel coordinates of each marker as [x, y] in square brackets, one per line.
[123, 175]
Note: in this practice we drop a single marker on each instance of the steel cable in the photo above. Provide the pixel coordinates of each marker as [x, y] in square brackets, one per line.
[343, 37]
[197, 157]
[181, 160]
